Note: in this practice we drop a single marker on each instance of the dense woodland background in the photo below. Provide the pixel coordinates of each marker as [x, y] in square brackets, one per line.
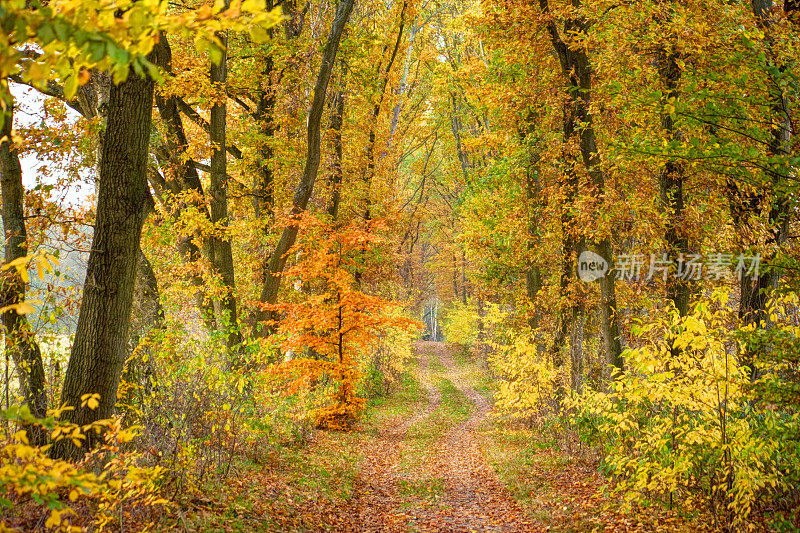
[278, 198]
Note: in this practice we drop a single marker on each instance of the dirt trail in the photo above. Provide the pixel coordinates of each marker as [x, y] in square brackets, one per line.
[474, 500]
[376, 499]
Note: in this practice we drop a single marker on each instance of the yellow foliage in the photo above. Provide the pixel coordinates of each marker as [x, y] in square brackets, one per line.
[460, 325]
[683, 427]
[29, 476]
[528, 379]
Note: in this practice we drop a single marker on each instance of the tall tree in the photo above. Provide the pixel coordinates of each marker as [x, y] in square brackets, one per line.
[577, 72]
[382, 74]
[171, 155]
[277, 261]
[101, 339]
[218, 192]
[672, 174]
[336, 174]
[20, 341]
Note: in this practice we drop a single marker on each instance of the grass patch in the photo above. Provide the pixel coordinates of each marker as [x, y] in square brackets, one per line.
[401, 404]
[429, 489]
[453, 409]
[417, 486]
[557, 483]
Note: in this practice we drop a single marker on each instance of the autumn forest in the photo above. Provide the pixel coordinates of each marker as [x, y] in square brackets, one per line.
[411, 265]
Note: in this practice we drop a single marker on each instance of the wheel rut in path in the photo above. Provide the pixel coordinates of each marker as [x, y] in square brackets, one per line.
[475, 499]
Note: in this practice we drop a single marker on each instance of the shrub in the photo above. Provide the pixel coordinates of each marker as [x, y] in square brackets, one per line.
[107, 488]
[685, 428]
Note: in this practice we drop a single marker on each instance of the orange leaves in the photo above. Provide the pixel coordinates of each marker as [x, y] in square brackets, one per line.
[328, 322]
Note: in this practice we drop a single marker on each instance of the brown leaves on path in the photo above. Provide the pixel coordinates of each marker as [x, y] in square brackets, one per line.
[473, 498]
[376, 502]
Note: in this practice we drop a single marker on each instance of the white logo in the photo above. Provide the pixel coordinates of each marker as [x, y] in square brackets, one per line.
[591, 266]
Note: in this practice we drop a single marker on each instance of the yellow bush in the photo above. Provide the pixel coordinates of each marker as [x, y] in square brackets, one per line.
[684, 429]
[527, 378]
[460, 324]
[107, 481]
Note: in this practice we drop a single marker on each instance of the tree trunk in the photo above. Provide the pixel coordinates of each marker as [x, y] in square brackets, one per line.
[336, 167]
[101, 340]
[185, 179]
[754, 292]
[670, 181]
[569, 245]
[535, 204]
[218, 192]
[277, 261]
[147, 315]
[577, 72]
[20, 341]
[412, 34]
[578, 324]
[264, 195]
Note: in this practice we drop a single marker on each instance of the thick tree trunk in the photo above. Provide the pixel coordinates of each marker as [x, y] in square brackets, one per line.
[577, 72]
[277, 261]
[20, 341]
[101, 340]
[670, 182]
[147, 315]
[569, 245]
[218, 192]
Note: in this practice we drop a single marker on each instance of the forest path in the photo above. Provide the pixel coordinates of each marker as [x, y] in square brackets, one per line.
[427, 473]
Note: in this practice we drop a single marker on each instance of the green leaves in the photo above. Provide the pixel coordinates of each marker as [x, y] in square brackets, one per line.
[96, 49]
[46, 33]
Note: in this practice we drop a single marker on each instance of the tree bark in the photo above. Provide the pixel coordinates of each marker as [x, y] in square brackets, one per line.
[569, 246]
[218, 193]
[670, 180]
[185, 179]
[577, 72]
[336, 167]
[20, 341]
[101, 340]
[147, 315]
[535, 203]
[264, 195]
[277, 261]
[578, 329]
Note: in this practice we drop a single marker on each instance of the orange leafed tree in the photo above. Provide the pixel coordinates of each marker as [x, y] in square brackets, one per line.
[329, 320]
